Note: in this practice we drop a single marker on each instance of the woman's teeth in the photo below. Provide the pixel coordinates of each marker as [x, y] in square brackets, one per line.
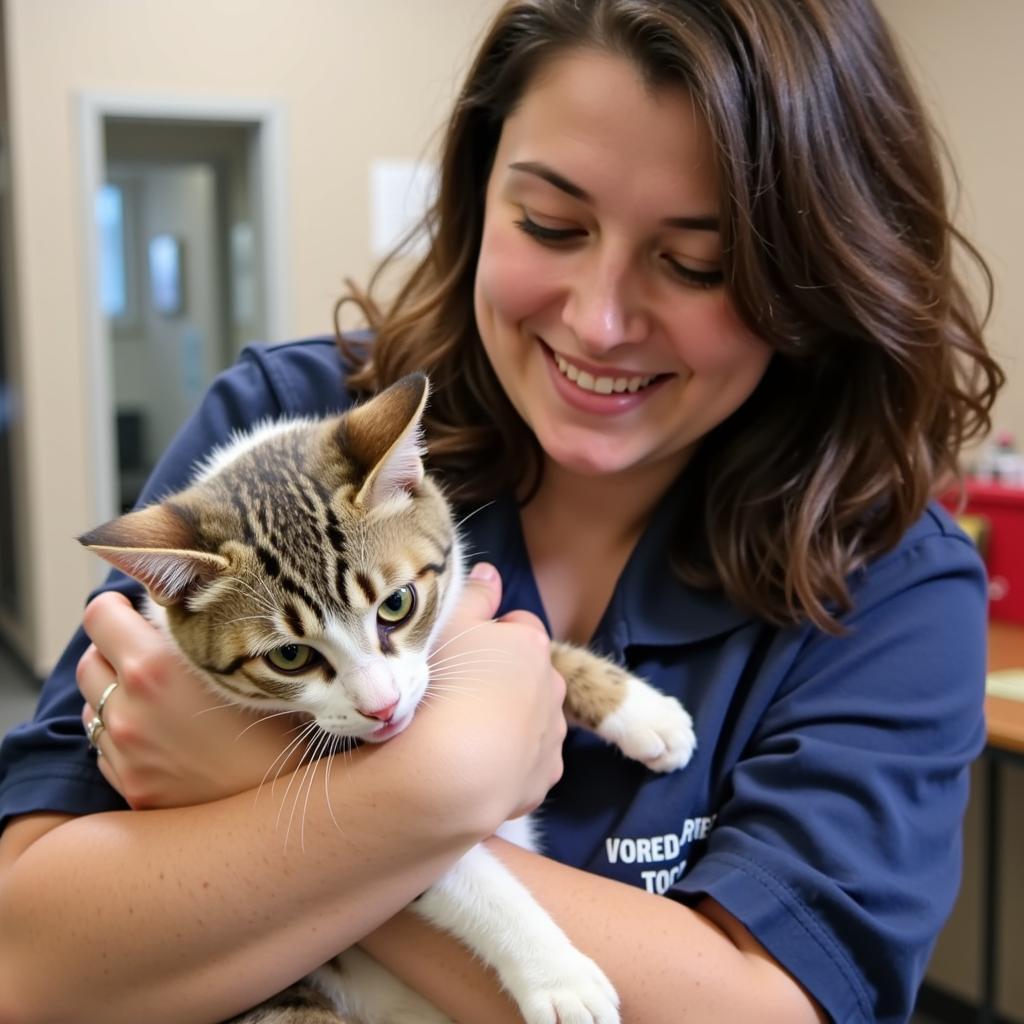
[600, 385]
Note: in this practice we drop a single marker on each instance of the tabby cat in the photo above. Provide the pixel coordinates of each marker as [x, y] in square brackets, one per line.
[309, 567]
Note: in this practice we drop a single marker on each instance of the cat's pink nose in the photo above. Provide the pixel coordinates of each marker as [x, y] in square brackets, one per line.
[382, 714]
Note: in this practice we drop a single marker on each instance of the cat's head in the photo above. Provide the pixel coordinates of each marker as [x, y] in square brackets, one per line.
[307, 567]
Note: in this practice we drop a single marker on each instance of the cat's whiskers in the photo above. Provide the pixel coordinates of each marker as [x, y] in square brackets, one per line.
[449, 689]
[450, 694]
[469, 663]
[465, 519]
[434, 663]
[458, 684]
[214, 707]
[304, 731]
[283, 758]
[325, 739]
[239, 585]
[266, 589]
[348, 744]
[261, 718]
[432, 697]
[344, 743]
[324, 752]
[465, 674]
[451, 640]
[271, 602]
[268, 604]
[448, 683]
[311, 736]
[269, 619]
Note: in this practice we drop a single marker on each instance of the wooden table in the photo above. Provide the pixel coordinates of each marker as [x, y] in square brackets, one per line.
[1005, 717]
[1005, 720]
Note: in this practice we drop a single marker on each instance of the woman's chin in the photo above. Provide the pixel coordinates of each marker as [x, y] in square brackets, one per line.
[588, 460]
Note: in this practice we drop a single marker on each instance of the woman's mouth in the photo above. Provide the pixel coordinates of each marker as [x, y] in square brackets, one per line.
[601, 385]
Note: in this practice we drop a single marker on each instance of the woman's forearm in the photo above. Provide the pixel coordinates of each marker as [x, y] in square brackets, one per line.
[196, 913]
[667, 962]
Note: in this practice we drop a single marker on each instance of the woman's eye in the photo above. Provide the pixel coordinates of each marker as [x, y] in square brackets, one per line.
[291, 657]
[397, 607]
[699, 278]
[547, 234]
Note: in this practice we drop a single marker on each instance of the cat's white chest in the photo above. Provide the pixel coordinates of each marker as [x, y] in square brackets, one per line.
[521, 831]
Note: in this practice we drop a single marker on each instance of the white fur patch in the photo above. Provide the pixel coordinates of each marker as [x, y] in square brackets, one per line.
[242, 441]
[651, 728]
[488, 909]
[365, 991]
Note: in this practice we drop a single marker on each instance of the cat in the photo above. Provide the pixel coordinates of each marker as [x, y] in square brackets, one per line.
[309, 567]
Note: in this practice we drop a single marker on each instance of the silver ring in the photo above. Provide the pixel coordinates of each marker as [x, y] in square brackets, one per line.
[93, 729]
[103, 699]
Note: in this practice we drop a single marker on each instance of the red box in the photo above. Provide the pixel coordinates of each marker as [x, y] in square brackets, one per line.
[1002, 510]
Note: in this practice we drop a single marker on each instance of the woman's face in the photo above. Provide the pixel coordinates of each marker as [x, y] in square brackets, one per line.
[599, 293]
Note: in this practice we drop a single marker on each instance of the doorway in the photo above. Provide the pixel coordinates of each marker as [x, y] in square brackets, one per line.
[183, 216]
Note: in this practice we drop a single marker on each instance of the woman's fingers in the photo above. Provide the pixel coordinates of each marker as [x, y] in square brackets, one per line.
[98, 684]
[120, 632]
[501, 697]
[107, 753]
[167, 739]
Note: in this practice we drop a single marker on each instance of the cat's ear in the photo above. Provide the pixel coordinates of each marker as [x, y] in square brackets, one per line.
[156, 546]
[385, 435]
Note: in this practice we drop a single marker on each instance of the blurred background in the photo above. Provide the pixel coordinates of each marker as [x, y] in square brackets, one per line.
[178, 179]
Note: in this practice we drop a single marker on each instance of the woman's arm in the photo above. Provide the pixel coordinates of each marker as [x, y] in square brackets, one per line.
[668, 963]
[195, 913]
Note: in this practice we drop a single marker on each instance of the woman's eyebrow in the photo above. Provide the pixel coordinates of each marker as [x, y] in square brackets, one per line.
[552, 177]
[706, 222]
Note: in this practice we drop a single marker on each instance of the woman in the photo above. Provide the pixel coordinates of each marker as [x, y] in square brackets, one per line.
[694, 330]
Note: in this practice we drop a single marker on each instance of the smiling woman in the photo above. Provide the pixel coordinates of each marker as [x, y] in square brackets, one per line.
[765, 160]
[699, 355]
[585, 261]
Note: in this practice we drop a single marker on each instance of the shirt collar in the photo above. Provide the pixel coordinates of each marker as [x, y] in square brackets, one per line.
[650, 605]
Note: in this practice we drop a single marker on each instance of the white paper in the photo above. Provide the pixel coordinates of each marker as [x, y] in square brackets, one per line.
[401, 192]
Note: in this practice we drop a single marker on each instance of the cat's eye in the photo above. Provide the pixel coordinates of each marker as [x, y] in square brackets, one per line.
[291, 657]
[397, 607]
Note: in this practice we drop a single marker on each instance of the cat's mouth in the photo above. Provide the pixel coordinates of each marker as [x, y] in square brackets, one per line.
[388, 729]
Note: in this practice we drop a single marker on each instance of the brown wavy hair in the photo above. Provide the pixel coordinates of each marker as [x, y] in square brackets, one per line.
[838, 251]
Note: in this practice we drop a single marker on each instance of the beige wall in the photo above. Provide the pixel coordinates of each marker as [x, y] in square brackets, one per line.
[967, 57]
[357, 81]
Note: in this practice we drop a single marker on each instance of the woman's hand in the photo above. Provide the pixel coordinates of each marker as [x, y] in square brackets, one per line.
[168, 740]
[492, 719]
[493, 728]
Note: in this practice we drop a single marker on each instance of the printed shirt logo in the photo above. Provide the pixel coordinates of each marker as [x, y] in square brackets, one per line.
[658, 850]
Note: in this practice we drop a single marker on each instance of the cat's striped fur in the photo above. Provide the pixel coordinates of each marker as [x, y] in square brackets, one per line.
[309, 567]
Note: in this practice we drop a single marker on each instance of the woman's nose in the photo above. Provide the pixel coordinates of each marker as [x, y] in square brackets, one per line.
[605, 308]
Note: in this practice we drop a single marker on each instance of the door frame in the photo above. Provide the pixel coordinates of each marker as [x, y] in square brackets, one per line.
[269, 202]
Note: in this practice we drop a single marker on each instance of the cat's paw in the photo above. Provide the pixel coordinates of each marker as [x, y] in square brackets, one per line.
[651, 728]
[573, 990]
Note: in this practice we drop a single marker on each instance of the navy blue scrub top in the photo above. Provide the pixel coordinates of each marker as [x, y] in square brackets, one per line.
[823, 806]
